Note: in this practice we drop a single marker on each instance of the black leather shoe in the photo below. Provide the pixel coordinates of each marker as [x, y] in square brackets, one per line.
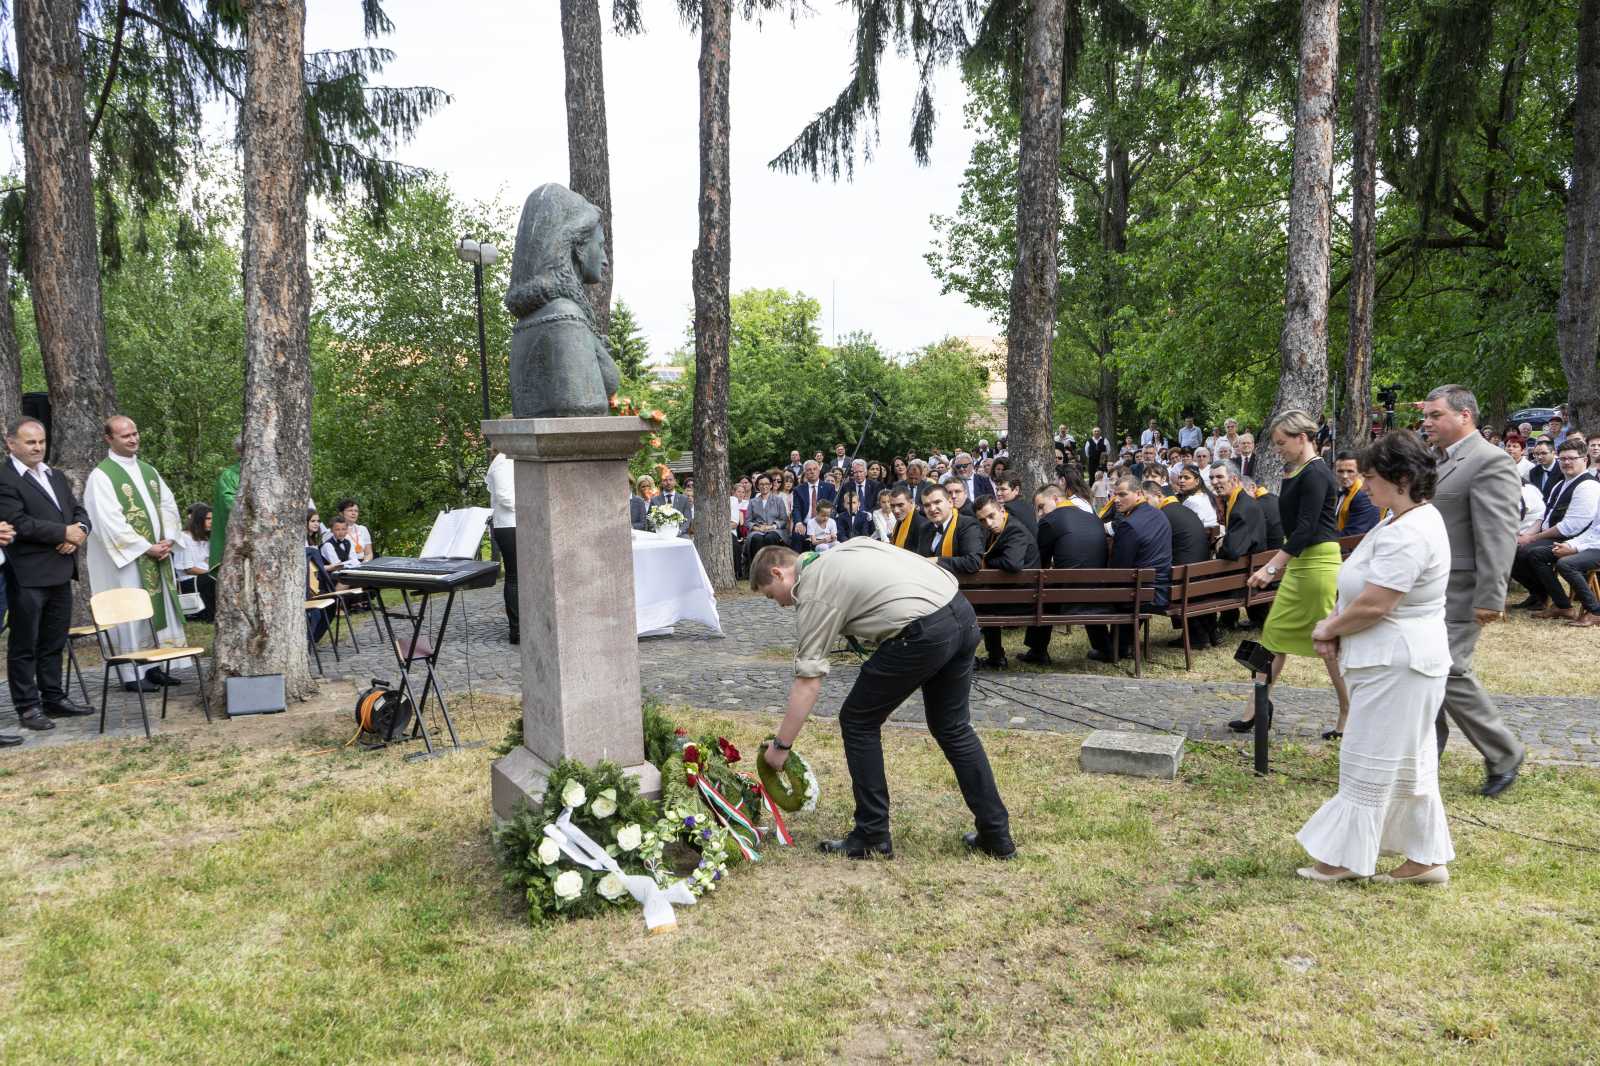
[161, 677]
[853, 847]
[1248, 725]
[145, 685]
[1000, 848]
[35, 719]
[1040, 658]
[990, 664]
[1175, 642]
[1495, 784]
[1095, 655]
[9, 740]
[1532, 603]
[67, 709]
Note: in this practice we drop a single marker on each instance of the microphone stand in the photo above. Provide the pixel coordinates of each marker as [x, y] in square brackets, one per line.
[863, 438]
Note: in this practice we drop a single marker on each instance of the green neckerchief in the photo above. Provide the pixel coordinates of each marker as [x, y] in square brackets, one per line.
[808, 558]
[152, 574]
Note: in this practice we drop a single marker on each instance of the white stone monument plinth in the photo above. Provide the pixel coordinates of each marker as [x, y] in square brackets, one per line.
[580, 654]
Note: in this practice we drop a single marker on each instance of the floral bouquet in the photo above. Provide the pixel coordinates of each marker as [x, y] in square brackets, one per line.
[663, 515]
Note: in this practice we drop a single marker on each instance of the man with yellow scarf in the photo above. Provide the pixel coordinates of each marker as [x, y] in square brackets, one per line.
[953, 540]
[1356, 513]
[1010, 547]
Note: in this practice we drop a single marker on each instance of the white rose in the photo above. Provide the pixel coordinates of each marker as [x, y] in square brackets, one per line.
[602, 807]
[611, 887]
[568, 884]
[629, 837]
[549, 851]
[573, 794]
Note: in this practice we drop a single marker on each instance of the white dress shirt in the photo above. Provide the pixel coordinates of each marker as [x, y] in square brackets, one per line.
[188, 553]
[1532, 509]
[501, 482]
[40, 477]
[1580, 509]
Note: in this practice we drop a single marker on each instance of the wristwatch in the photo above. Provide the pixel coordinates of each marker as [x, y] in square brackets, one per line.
[780, 745]
[1272, 571]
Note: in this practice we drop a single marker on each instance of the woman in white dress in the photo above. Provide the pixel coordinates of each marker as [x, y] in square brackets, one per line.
[1389, 632]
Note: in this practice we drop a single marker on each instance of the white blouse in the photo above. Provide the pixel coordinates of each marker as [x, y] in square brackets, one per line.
[1200, 504]
[188, 553]
[1410, 555]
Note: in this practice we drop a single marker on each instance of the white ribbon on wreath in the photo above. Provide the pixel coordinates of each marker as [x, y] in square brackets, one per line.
[578, 846]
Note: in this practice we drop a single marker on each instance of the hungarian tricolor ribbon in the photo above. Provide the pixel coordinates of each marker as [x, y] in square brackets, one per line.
[744, 832]
[772, 808]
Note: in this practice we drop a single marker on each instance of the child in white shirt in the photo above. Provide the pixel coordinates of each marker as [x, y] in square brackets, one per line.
[821, 529]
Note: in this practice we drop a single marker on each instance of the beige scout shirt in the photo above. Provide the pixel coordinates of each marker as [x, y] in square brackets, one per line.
[863, 588]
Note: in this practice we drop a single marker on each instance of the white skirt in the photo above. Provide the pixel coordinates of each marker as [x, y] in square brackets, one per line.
[1388, 801]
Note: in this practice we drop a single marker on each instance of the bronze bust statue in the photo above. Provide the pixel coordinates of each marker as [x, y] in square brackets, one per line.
[561, 366]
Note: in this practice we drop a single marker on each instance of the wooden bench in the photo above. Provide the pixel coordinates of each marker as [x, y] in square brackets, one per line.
[1208, 588]
[1042, 597]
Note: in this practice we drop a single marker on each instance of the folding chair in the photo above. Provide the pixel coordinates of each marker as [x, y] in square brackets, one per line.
[116, 607]
[321, 603]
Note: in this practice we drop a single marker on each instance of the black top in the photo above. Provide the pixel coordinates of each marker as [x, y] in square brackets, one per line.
[1273, 520]
[1246, 528]
[967, 549]
[1309, 506]
[1013, 550]
[1024, 513]
[1072, 538]
[1189, 541]
[41, 527]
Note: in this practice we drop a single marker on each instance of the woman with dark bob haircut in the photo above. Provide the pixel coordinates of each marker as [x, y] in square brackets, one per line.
[1388, 633]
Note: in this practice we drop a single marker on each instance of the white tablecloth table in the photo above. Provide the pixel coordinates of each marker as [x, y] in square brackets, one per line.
[670, 585]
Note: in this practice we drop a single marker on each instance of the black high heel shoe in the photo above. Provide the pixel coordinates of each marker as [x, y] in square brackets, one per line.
[1248, 725]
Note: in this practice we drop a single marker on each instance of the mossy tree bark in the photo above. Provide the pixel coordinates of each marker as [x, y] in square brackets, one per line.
[588, 151]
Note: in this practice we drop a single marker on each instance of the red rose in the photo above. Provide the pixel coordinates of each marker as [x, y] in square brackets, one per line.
[691, 753]
[680, 732]
[729, 752]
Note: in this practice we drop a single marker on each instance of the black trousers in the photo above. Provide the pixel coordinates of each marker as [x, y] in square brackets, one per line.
[39, 618]
[505, 539]
[1535, 567]
[934, 654]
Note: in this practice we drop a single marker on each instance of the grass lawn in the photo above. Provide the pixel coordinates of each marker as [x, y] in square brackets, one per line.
[266, 899]
[1502, 661]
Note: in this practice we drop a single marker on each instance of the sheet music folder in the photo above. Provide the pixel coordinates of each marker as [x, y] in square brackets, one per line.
[456, 534]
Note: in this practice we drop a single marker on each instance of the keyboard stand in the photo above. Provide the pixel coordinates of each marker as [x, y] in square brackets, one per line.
[419, 649]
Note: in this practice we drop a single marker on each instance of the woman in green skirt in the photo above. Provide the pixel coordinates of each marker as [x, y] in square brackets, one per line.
[1308, 560]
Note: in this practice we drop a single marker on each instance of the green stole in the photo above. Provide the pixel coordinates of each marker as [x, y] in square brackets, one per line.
[152, 574]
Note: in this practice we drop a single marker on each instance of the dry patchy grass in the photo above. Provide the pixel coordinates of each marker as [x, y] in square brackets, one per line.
[190, 900]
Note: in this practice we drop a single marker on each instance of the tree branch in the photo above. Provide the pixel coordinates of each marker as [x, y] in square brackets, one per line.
[111, 69]
[199, 51]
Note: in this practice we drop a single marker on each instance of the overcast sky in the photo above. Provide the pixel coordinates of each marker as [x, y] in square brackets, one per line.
[505, 134]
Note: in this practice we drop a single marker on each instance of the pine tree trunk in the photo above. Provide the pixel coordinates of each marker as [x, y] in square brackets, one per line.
[1363, 226]
[10, 353]
[62, 254]
[1578, 311]
[261, 622]
[712, 534]
[588, 151]
[1030, 332]
[1303, 347]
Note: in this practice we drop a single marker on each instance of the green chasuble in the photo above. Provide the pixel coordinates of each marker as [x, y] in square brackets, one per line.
[221, 507]
[152, 574]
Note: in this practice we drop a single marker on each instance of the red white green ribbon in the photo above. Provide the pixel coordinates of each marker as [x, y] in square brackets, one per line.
[772, 808]
[743, 831]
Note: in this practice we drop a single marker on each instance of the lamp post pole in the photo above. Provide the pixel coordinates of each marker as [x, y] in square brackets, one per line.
[479, 253]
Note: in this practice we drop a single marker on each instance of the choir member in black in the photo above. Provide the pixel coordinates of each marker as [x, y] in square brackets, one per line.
[1008, 490]
[1271, 515]
[1140, 539]
[911, 529]
[1009, 547]
[953, 540]
[1190, 544]
[1244, 528]
[956, 489]
[1071, 537]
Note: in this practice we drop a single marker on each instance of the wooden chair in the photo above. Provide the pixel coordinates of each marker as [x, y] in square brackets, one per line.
[321, 603]
[116, 607]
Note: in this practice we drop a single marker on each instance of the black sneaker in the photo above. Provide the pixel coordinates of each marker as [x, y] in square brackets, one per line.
[1001, 848]
[854, 847]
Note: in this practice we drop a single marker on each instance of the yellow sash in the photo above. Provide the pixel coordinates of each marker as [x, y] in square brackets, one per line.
[1105, 512]
[1261, 491]
[903, 530]
[1227, 512]
[1344, 504]
[947, 547]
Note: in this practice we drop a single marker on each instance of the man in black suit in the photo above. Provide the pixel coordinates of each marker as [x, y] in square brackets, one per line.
[1070, 537]
[1008, 490]
[840, 460]
[1271, 518]
[977, 484]
[911, 529]
[1010, 547]
[1244, 528]
[1190, 544]
[7, 535]
[960, 499]
[51, 528]
[807, 494]
[1141, 539]
[1247, 456]
[1545, 474]
[865, 488]
[953, 540]
[916, 472]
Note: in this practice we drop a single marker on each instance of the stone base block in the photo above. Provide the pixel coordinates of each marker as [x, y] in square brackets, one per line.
[1133, 754]
[521, 776]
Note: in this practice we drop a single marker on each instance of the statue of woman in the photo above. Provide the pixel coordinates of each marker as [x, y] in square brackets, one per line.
[560, 364]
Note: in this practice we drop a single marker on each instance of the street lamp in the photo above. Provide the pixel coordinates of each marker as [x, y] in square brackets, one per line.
[480, 254]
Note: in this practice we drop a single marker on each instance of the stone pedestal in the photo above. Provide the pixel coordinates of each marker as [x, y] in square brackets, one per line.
[1109, 751]
[580, 654]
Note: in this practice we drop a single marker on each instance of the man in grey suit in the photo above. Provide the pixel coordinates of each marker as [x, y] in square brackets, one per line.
[1478, 497]
[671, 497]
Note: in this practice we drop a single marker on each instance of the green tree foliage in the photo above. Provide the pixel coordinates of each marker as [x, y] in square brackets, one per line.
[395, 422]
[629, 347]
[789, 391]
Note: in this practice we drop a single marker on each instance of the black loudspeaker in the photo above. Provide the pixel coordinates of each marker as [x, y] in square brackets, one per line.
[262, 694]
[37, 405]
[1253, 655]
